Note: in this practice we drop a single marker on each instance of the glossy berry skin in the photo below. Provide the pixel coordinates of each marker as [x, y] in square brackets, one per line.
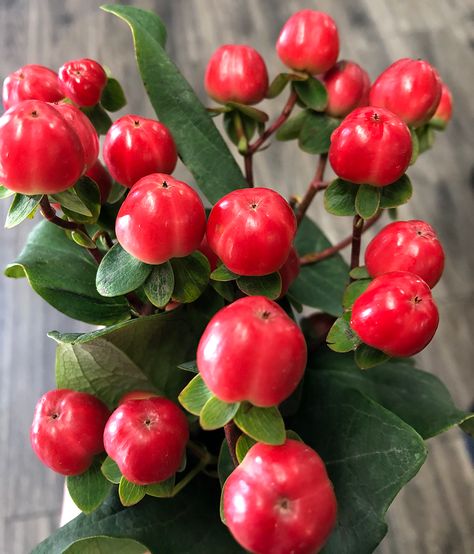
[135, 147]
[31, 82]
[251, 350]
[309, 42]
[396, 314]
[280, 500]
[348, 87]
[67, 430]
[100, 175]
[147, 439]
[289, 271]
[236, 73]
[444, 111]
[409, 88]
[40, 153]
[371, 146]
[406, 246]
[251, 231]
[161, 218]
[82, 81]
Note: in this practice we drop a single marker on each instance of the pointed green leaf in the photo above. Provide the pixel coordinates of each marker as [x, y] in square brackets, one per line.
[249, 111]
[359, 273]
[265, 285]
[5, 193]
[233, 121]
[262, 424]
[277, 86]
[367, 201]
[129, 493]
[397, 193]
[291, 129]
[315, 134]
[215, 413]
[195, 395]
[224, 289]
[113, 97]
[161, 490]
[353, 291]
[341, 338]
[99, 118]
[105, 545]
[312, 93]
[83, 239]
[83, 201]
[111, 471]
[366, 357]
[221, 273]
[243, 445]
[21, 208]
[416, 146]
[189, 366]
[340, 198]
[426, 138]
[89, 489]
[160, 284]
[191, 277]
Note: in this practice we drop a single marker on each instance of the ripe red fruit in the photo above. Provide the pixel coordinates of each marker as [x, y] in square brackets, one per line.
[309, 42]
[67, 430]
[371, 146]
[444, 111]
[82, 81]
[161, 218]
[251, 230]
[40, 153]
[409, 88]
[31, 82]
[348, 87]
[236, 354]
[236, 73]
[289, 271]
[396, 314]
[100, 175]
[147, 439]
[280, 500]
[406, 246]
[136, 147]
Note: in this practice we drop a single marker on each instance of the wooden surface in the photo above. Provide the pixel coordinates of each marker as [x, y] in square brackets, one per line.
[435, 513]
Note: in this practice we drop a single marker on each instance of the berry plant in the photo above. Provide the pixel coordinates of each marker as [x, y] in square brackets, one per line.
[209, 413]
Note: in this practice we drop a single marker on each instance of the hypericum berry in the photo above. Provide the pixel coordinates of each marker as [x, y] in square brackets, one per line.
[82, 81]
[236, 73]
[280, 500]
[100, 175]
[31, 82]
[84, 130]
[406, 246]
[136, 147]
[409, 88]
[444, 111]
[251, 230]
[289, 271]
[40, 153]
[236, 354]
[161, 218]
[309, 42]
[371, 146]
[396, 314]
[348, 87]
[147, 439]
[67, 430]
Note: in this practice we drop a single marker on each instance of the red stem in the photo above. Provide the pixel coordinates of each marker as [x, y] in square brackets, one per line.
[357, 228]
[232, 434]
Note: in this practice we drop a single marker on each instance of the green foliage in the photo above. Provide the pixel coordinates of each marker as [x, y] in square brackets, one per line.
[316, 131]
[82, 202]
[277, 86]
[215, 413]
[353, 291]
[99, 118]
[221, 273]
[89, 489]
[291, 129]
[366, 356]
[5, 193]
[244, 444]
[312, 93]
[191, 277]
[129, 493]
[341, 338]
[367, 201]
[396, 194]
[159, 285]
[113, 97]
[266, 285]
[110, 470]
[340, 197]
[195, 395]
[21, 208]
[261, 424]
[105, 545]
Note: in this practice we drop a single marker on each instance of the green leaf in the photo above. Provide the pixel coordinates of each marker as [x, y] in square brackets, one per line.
[315, 134]
[21, 208]
[367, 201]
[63, 274]
[340, 198]
[216, 413]
[113, 97]
[106, 545]
[116, 193]
[160, 284]
[89, 489]
[291, 129]
[262, 424]
[366, 356]
[5, 193]
[312, 93]
[199, 143]
[249, 111]
[416, 146]
[221, 273]
[163, 489]
[397, 193]
[224, 289]
[233, 121]
[83, 239]
[426, 138]
[359, 273]
[195, 395]
[277, 86]
[81, 203]
[225, 465]
[129, 493]
[119, 272]
[111, 471]
[99, 118]
[341, 338]
[191, 276]
[265, 285]
[243, 445]
[189, 366]
[353, 291]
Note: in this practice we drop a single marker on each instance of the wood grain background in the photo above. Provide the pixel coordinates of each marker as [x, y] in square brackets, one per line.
[435, 513]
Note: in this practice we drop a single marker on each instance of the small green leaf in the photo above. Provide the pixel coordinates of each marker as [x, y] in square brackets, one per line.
[99, 118]
[340, 197]
[262, 424]
[191, 276]
[216, 413]
[189, 366]
[359, 273]
[315, 134]
[116, 193]
[129, 493]
[195, 395]
[119, 272]
[89, 489]
[426, 138]
[104, 545]
[312, 93]
[265, 285]
[225, 465]
[160, 284]
[221, 273]
[290, 434]
[113, 97]
[367, 357]
[341, 338]
[235, 120]
[277, 86]
[249, 111]
[82, 203]
[243, 445]
[111, 471]
[224, 289]
[5, 193]
[367, 201]
[416, 146]
[353, 291]
[397, 193]
[83, 239]
[163, 489]
[21, 208]
[291, 129]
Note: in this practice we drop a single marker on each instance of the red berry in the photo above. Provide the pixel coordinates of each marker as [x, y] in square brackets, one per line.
[251, 230]
[280, 500]
[309, 42]
[444, 111]
[40, 153]
[406, 246]
[84, 130]
[396, 314]
[161, 218]
[348, 87]
[236, 73]
[409, 88]
[289, 271]
[99, 174]
[31, 82]
[147, 439]
[236, 354]
[67, 430]
[205, 249]
[371, 146]
[136, 147]
[83, 81]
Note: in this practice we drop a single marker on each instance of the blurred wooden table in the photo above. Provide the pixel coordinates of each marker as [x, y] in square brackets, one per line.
[435, 513]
